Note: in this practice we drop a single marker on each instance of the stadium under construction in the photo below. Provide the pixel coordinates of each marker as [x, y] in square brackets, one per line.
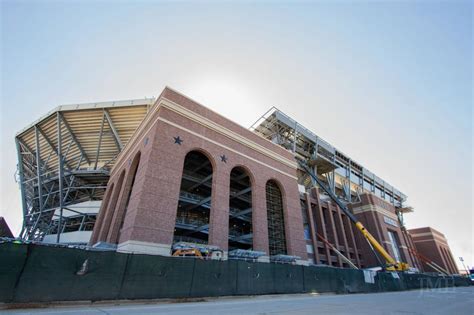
[167, 175]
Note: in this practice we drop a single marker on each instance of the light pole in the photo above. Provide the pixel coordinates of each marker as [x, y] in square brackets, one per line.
[462, 260]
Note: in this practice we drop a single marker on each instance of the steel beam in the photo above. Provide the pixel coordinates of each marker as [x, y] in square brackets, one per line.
[240, 193]
[30, 151]
[73, 136]
[241, 238]
[21, 175]
[100, 142]
[200, 181]
[38, 176]
[60, 176]
[118, 142]
[240, 213]
[200, 203]
[51, 144]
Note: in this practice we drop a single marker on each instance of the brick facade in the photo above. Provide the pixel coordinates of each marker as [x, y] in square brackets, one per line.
[140, 207]
[327, 222]
[149, 220]
[434, 246]
[380, 218]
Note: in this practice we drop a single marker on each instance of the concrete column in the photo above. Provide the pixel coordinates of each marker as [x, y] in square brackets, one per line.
[111, 208]
[103, 209]
[295, 241]
[259, 217]
[219, 216]
[120, 209]
[333, 225]
[312, 226]
[378, 229]
[412, 260]
[353, 241]
[449, 259]
[151, 215]
[320, 216]
[450, 255]
[343, 232]
[443, 259]
[116, 213]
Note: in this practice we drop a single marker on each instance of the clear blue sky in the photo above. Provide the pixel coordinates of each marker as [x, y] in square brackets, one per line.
[389, 83]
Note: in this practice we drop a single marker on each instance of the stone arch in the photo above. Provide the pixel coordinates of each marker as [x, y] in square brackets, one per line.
[208, 155]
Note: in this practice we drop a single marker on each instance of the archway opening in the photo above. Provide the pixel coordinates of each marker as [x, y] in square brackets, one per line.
[192, 218]
[275, 219]
[240, 210]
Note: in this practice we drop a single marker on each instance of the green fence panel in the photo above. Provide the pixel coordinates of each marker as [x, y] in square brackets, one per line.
[353, 281]
[426, 282]
[254, 278]
[389, 281]
[54, 274]
[429, 282]
[414, 281]
[321, 279]
[214, 278]
[33, 273]
[288, 278]
[12, 259]
[461, 281]
[444, 282]
[407, 280]
[150, 277]
[421, 281]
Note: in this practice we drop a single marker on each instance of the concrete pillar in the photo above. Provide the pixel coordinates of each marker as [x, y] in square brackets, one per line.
[334, 231]
[111, 208]
[353, 241]
[259, 217]
[312, 227]
[343, 232]
[151, 215]
[294, 230]
[320, 216]
[103, 209]
[120, 209]
[219, 216]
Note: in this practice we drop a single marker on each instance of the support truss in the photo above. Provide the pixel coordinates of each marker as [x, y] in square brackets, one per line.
[64, 159]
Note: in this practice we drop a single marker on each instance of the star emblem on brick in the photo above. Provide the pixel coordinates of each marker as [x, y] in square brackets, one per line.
[223, 158]
[178, 140]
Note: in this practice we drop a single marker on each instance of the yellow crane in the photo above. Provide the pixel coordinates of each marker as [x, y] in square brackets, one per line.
[390, 263]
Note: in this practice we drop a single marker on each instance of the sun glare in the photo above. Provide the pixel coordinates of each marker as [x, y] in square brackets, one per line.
[228, 95]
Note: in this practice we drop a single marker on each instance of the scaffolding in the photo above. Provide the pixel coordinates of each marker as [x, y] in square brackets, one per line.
[344, 176]
[275, 219]
[64, 160]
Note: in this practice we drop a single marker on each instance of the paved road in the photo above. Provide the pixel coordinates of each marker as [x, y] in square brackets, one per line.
[451, 301]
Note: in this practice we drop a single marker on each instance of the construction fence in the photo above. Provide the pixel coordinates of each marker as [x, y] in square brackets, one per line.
[35, 273]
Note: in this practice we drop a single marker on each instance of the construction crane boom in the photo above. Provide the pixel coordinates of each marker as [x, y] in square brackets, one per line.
[391, 264]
